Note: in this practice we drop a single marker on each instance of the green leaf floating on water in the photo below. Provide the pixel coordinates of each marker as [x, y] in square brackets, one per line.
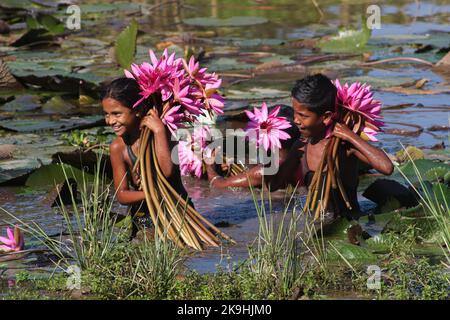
[22, 104]
[49, 175]
[125, 47]
[339, 249]
[230, 22]
[39, 125]
[45, 21]
[346, 41]
[421, 165]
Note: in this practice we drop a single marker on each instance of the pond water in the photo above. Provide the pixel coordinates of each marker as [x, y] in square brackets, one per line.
[267, 34]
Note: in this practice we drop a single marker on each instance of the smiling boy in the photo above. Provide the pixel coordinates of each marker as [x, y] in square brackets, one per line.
[313, 102]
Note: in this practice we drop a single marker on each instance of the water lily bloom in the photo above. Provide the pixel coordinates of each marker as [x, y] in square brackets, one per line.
[188, 90]
[358, 98]
[158, 75]
[13, 242]
[181, 93]
[172, 119]
[191, 152]
[190, 162]
[266, 127]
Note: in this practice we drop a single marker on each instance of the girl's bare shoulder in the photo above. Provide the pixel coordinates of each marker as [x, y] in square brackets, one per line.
[117, 146]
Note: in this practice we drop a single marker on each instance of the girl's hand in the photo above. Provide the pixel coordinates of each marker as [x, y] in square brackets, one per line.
[152, 121]
[343, 132]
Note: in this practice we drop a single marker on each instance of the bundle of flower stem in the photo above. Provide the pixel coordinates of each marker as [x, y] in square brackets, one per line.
[172, 215]
[181, 92]
[356, 109]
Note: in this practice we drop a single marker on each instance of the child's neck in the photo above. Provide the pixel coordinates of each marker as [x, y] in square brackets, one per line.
[131, 138]
[316, 139]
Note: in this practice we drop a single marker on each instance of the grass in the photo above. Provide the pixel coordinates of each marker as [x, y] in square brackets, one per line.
[434, 201]
[275, 258]
[90, 225]
[286, 260]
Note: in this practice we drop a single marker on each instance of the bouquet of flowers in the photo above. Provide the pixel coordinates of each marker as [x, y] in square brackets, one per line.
[356, 108]
[181, 91]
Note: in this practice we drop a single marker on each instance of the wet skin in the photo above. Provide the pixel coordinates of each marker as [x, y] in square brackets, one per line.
[313, 129]
[253, 177]
[127, 125]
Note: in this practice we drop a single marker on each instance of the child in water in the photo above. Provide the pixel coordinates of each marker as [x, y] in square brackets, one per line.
[313, 102]
[117, 99]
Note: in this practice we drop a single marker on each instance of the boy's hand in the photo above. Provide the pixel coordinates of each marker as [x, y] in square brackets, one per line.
[152, 121]
[343, 132]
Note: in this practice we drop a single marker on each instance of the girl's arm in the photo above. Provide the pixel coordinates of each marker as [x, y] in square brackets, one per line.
[252, 177]
[123, 194]
[163, 154]
[364, 150]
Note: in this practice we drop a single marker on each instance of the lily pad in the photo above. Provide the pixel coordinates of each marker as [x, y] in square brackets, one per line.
[340, 249]
[52, 174]
[346, 41]
[45, 21]
[22, 103]
[225, 64]
[256, 94]
[38, 125]
[230, 22]
[57, 105]
[106, 7]
[14, 169]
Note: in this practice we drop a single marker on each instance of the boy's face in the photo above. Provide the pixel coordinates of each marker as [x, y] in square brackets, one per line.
[309, 123]
[120, 118]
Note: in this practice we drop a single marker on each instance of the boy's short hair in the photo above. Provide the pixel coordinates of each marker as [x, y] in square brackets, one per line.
[316, 92]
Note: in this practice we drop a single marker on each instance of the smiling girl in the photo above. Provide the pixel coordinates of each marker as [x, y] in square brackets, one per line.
[118, 98]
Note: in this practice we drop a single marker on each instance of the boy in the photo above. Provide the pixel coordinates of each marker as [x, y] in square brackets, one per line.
[313, 102]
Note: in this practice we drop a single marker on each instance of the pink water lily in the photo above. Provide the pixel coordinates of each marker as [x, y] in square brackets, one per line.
[358, 98]
[181, 95]
[267, 128]
[172, 119]
[191, 152]
[189, 90]
[13, 242]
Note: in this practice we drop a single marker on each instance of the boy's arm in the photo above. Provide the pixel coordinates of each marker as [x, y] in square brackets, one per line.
[124, 196]
[364, 150]
[252, 177]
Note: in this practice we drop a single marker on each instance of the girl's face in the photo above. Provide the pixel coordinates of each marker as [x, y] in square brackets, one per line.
[121, 119]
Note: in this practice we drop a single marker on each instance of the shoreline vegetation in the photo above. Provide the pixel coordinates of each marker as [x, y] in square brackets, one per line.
[53, 140]
[291, 258]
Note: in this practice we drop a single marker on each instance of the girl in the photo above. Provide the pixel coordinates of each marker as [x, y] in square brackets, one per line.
[117, 99]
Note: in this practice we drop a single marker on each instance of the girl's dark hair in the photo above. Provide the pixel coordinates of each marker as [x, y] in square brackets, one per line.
[316, 92]
[294, 132]
[124, 90]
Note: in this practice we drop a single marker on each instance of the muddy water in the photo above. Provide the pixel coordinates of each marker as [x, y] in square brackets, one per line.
[403, 25]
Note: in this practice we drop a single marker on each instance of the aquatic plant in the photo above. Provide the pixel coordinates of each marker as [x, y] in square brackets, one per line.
[90, 225]
[13, 242]
[355, 108]
[146, 269]
[276, 259]
[435, 201]
[266, 127]
[174, 83]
